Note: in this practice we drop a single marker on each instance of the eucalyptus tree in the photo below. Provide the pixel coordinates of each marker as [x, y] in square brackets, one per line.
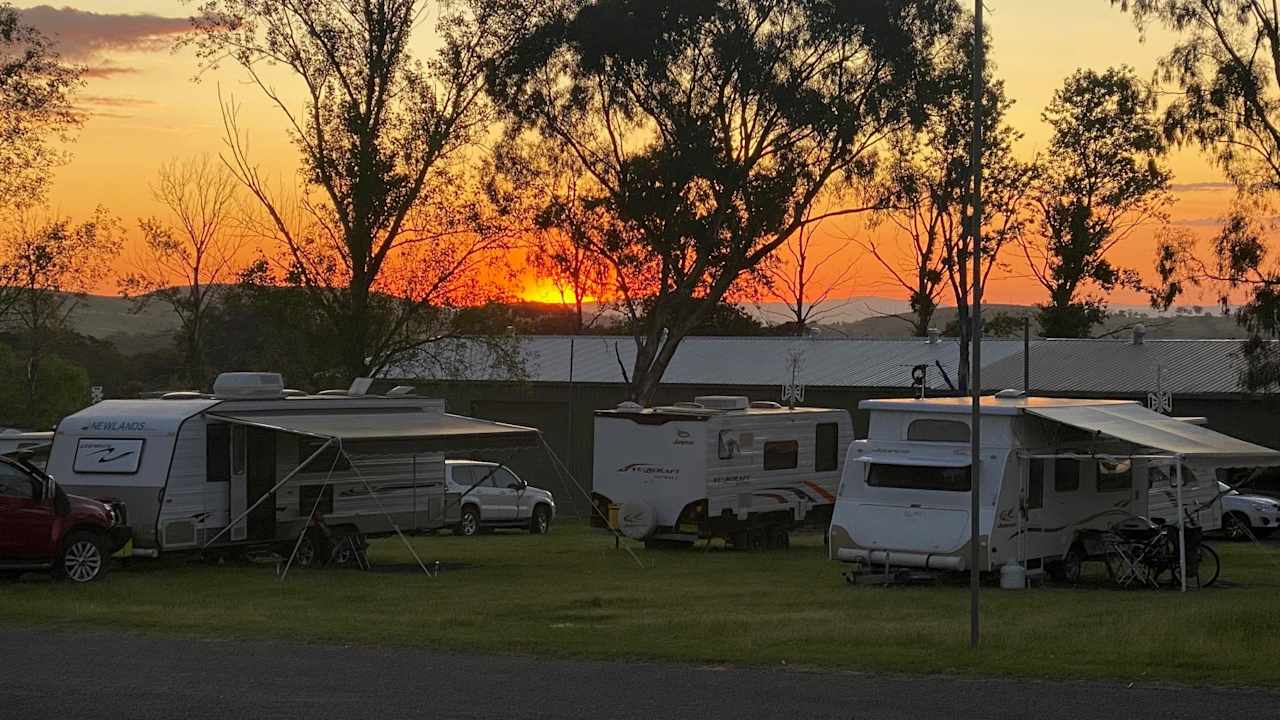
[1225, 66]
[385, 231]
[709, 128]
[1102, 177]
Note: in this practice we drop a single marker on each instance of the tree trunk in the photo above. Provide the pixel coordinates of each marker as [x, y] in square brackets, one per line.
[962, 370]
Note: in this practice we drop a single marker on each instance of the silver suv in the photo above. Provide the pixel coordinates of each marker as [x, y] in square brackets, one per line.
[493, 496]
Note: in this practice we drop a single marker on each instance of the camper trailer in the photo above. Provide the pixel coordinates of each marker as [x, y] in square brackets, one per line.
[721, 466]
[254, 465]
[1050, 469]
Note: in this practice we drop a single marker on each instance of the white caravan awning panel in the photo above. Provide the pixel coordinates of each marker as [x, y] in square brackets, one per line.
[397, 431]
[1132, 423]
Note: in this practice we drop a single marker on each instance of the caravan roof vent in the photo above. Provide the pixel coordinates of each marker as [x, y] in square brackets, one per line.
[248, 386]
[183, 395]
[629, 406]
[333, 393]
[360, 386]
[723, 402]
[294, 392]
[402, 391]
[766, 405]
[1009, 394]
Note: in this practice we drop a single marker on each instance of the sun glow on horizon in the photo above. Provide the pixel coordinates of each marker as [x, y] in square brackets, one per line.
[547, 291]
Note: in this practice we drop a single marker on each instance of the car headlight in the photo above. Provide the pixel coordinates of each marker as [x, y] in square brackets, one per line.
[1265, 507]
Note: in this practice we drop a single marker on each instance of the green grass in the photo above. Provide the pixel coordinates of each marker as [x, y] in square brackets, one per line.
[573, 594]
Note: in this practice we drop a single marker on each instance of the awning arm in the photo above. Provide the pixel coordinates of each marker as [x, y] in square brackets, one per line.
[268, 426]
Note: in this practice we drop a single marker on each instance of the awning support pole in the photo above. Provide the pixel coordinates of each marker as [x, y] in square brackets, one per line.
[306, 524]
[383, 510]
[268, 493]
[1182, 526]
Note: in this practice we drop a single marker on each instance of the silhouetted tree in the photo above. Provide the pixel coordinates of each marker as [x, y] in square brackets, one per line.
[54, 262]
[37, 92]
[1101, 178]
[709, 129]
[804, 278]
[388, 227]
[185, 257]
[927, 183]
[1225, 64]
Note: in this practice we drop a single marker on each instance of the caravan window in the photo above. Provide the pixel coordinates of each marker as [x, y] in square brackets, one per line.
[919, 477]
[1035, 484]
[1114, 476]
[217, 452]
[781, 455]
[938, 431]
[1162, 476]
[826, 455]
[1066, 475]
[328, 460]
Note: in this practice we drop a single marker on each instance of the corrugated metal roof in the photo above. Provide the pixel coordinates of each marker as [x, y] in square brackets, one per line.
[1185, 367]
[745, 361]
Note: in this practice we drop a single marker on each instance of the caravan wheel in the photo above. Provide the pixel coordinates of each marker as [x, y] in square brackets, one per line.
[312, 551]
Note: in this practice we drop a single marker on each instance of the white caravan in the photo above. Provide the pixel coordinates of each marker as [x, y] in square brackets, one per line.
[720, 466]
[250, 465]
[1050, 469]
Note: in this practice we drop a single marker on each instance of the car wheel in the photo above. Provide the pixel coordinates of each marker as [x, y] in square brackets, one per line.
[469, 525]
[83, 558]
[1236, 526]
[540, 523]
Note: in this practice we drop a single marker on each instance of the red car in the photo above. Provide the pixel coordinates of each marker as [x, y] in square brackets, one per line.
[43, 528]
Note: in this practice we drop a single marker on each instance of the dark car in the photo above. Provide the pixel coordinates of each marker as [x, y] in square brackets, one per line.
[42, 528]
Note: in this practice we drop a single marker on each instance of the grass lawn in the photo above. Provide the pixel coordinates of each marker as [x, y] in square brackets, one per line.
[572, 594]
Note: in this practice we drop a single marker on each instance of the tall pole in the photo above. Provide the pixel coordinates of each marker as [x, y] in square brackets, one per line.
[975, 370]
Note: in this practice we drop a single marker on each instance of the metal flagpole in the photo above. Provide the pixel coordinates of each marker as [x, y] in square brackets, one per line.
[1182, 526]
[975, 356]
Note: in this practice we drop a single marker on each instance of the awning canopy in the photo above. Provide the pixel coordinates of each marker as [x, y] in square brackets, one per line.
[1134, 424]
[408, 430]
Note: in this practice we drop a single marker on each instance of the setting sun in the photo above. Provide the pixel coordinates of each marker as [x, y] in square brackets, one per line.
[544, 290]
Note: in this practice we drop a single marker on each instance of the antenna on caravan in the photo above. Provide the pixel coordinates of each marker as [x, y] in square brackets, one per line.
[793, 392]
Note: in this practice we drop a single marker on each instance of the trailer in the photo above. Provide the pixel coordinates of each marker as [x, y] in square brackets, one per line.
[1052, 470]
[719, 467]
[252, 465]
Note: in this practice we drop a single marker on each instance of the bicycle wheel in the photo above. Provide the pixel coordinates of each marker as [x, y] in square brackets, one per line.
[1209, 565]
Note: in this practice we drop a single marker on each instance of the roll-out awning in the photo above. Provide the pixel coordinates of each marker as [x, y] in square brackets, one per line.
[408, 430]
[1134, 424]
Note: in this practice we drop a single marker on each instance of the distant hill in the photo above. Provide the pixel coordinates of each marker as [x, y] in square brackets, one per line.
[1158, 326]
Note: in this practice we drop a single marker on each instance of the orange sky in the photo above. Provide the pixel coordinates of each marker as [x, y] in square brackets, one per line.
[147, 109]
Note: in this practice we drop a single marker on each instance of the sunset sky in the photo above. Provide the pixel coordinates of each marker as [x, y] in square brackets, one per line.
[147, 108]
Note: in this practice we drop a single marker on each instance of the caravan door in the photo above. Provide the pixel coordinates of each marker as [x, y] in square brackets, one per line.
[237, 489]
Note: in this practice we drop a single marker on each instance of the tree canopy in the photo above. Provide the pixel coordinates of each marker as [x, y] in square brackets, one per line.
[710, 127]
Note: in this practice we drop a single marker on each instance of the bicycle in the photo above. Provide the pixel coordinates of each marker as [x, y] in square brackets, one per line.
[1141, 552]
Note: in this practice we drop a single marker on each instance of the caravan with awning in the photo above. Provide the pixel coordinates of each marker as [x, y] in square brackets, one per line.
[254, 465]
[1050, 469]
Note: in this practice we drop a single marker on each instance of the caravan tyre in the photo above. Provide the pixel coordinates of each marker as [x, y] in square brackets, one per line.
[83, 558]
[1070, 567]
[312, 551]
